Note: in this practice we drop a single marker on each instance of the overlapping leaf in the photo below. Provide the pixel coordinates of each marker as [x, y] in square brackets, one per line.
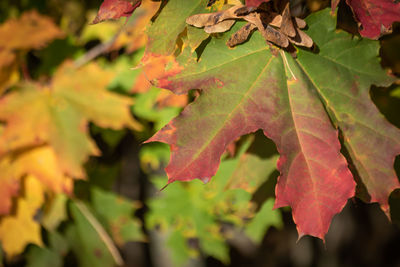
[114, 9]
[375, 16]
[294, 103]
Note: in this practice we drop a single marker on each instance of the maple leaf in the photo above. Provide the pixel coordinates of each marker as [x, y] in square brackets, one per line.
[293, 101]
[114, 9]
[375, 16]
[58, 115]
[17, 231]
[30, 31]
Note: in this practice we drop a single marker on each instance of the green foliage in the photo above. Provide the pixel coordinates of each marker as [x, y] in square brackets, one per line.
[210, 213]
[88, 239]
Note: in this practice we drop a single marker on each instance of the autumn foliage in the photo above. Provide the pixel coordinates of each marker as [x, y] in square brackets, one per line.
[230, 68]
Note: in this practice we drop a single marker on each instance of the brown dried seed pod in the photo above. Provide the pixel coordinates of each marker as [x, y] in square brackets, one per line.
[241, 35]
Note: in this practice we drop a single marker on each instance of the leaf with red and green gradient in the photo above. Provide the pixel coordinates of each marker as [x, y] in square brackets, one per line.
[342, 73]
[114, 9]
[375, 16]
[249, 88]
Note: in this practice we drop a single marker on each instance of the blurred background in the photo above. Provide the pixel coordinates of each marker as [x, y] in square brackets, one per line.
[104, 206]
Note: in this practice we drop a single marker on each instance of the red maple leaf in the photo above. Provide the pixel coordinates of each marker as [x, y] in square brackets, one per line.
[114, 9]
[375, 16]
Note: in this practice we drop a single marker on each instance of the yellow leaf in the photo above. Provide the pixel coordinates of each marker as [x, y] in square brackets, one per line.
[40, 162]
[17, 231]
[58, 115]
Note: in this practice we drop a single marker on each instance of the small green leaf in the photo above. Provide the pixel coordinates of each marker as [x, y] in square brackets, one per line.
[88, 239]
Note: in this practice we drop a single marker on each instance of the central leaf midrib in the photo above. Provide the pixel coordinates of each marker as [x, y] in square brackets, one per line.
[315, 193]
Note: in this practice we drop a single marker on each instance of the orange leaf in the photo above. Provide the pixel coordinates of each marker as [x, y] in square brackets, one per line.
[154, 67]
[30, 31]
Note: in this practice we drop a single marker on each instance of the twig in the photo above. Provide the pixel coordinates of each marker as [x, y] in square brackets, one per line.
[97, 51]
